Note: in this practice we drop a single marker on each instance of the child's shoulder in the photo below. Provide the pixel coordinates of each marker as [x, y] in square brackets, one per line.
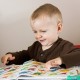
[65, 42]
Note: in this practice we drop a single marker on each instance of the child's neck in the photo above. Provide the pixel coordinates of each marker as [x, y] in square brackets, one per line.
[46, 47]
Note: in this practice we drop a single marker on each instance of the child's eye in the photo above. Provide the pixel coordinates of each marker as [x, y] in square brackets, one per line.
[35, 31]
[43, 31]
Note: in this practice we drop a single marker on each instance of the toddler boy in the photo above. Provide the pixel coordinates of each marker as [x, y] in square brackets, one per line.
[46, 23]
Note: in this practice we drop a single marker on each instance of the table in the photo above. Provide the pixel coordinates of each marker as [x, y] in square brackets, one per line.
[33, 70]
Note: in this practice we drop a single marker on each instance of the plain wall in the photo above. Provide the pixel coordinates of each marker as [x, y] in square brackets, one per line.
[15, 30]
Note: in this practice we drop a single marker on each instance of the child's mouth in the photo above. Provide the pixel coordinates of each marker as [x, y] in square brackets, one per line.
[42, 40]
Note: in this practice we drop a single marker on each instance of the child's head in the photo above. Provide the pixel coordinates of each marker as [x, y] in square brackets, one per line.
[46, 22]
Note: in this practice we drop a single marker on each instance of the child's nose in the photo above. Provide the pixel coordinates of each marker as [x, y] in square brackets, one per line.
[38, 35]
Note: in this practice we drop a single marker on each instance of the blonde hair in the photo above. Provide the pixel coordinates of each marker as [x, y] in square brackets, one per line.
[47, 9]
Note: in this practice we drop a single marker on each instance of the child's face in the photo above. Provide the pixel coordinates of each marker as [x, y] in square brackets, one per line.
[46, 30]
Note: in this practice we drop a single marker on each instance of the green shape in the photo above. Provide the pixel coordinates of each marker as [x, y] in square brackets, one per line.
[78, 77]
[73, 77]
[37, 73]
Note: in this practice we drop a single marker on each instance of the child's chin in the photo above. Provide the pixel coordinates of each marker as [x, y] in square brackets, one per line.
[44, 44]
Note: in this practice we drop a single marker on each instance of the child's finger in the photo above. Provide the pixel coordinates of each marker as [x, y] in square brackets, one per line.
[47, 66]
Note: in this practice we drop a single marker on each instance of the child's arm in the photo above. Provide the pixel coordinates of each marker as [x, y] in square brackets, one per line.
[53, 63]
[20, 57]
[14, 57]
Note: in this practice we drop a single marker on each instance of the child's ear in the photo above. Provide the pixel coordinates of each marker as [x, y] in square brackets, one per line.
[59, 25]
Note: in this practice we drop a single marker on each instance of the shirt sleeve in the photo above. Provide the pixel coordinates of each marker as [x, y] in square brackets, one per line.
[20, 57]
[24, 55]
[71, 56]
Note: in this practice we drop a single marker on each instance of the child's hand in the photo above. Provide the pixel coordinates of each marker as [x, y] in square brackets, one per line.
[6, 58]
[53, 63]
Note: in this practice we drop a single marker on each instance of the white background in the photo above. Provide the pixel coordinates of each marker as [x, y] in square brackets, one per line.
[15, 30]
